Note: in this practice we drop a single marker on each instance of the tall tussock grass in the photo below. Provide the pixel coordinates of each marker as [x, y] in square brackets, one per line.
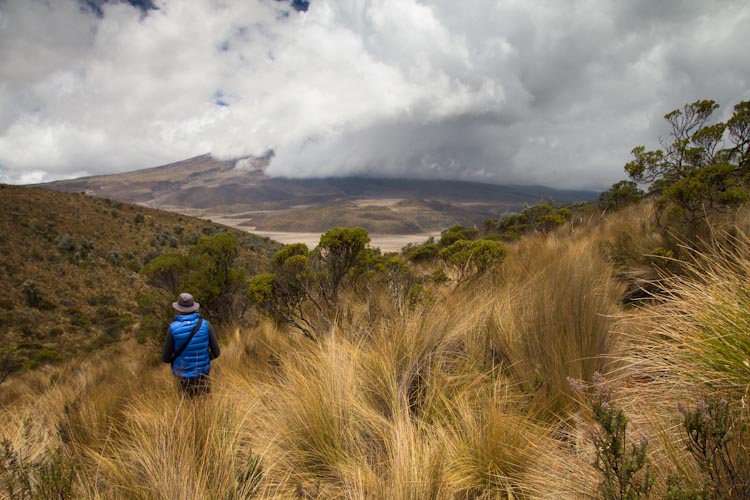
[458, 398]
[466, 395]
[699, 332]
[553, 319]
[685, 375]
[180, 451]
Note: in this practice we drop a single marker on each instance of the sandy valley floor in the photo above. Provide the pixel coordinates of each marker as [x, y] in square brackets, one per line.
[386, 242]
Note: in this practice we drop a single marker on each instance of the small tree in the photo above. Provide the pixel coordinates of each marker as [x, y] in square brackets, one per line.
[304, 282]
[281, 303]
[473, 258]
[208, 273]
[620, 195]
[739, 133]
[399, 279]
[214, 280]
[221, 250]
[337, 252]
[693, 172]
[167, 271]
[457, 233]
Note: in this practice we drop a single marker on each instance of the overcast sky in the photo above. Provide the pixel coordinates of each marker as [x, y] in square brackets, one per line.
[544, 92]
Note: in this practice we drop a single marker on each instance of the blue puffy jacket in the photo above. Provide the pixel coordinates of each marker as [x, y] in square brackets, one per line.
[195, 360]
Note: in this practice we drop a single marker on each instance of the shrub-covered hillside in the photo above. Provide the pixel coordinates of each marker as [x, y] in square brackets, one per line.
[535, 378]
[70, 266]
[559, 353]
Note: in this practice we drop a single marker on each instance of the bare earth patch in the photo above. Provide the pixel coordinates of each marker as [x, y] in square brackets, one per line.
[386, 242]
[381, 202]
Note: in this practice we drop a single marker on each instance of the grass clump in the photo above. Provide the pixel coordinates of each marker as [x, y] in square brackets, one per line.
[554, 320]
[463, 395]
[701, 328]
[50, 476]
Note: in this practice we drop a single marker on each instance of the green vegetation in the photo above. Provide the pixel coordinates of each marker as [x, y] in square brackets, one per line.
[208, 272]
[473, 258]
[696, 172]
[72, 273]
[625, 470]
[509, 362]
[305, 287]
[620, 195]
[421, 383]
[46, 477]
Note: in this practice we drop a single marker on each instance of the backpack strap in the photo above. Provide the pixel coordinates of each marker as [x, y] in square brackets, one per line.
[187, 342]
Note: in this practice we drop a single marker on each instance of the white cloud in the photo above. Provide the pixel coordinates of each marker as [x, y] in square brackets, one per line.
[511, 92]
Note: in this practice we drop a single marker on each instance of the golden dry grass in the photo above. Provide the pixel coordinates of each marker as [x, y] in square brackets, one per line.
[464, 397]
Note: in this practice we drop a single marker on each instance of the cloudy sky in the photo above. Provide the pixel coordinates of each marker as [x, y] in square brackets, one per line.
[505, 91]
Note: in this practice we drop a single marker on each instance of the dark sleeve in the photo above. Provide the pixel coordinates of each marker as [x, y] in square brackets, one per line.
[168, 351]
[213, 343]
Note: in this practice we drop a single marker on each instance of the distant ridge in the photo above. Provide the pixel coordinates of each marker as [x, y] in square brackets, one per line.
[239, 193]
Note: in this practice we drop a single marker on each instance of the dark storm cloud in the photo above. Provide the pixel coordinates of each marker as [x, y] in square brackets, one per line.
[298, 5]
[95, 6]
[552, 93]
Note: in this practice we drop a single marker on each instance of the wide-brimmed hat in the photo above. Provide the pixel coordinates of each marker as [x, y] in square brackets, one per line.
[186, 304]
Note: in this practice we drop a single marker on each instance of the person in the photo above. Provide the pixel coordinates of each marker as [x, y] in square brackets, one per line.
[190, 346]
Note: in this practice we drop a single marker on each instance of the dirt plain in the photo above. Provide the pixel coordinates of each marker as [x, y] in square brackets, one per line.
[385, 242]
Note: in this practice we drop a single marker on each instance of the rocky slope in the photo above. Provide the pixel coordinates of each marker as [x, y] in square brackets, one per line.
[240, 191]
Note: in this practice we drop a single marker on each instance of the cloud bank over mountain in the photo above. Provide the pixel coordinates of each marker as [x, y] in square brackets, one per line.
[551, 93]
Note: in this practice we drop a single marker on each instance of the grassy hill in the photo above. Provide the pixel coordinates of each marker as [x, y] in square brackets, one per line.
[70, 267]
[542, 378]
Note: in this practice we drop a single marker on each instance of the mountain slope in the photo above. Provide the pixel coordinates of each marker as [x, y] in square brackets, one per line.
[213, 188]
[70, 269]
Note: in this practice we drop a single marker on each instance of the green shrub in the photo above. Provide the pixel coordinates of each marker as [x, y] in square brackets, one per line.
[65, 243]
[102, 299]
[623, 465]
[112, 321]
[439, 277]
[719, 441]
[50, 476]
[151, 328]
[78, 317]
[55, 332]
[113, 257]
[473, 258]
[45, 356]
[423, 253]
[456, 233]
[33, 293]
[416, 295]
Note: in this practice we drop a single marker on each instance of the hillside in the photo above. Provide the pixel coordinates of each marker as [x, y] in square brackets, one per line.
[239, 191]
[70, 269]
[537, 379]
